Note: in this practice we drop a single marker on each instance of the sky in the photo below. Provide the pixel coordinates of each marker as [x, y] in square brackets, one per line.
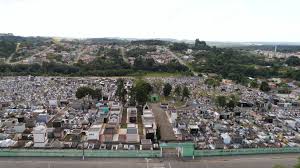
[209, 20]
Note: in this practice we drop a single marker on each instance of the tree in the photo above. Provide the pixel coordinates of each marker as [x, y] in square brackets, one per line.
[97, 94]
[167, 89]
[212, 82]
[200, 45]
[121, 91]
[141, 92]
[209, 81]
[293, 61]
[132, 100]
[7, 48]
[185, 93]
[238, 78]
[232, 102]
[254, 84]
[139, 62]
[157, 85]
[149, 62]
[179, 47]
[221, 101]
[265, 86]
[158, 134]
[135, 52]
[177, 91]
[84, 91]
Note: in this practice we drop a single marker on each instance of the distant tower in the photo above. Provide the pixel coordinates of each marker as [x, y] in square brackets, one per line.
[275, 50]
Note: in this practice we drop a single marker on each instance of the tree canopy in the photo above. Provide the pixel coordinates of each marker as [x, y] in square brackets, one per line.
[7, 48]
[140, 92]
[221, 101]
[254, 84]
[200, 45]
[121, 92]
[177, 90]
[265, 86]
[84, 91]
[167, 89]
[293, 61]
[214, 82]
[185, 93]
[179, 47]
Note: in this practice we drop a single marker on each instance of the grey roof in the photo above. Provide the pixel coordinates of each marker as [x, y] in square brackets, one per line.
[131, 131]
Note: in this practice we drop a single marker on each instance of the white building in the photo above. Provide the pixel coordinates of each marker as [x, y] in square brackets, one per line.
[149, 123]
[115, 112]
[226, 138]
[40, 136]
[39, 111]
[94, 132]
[19, 128]
[132, 134]
[174, 116]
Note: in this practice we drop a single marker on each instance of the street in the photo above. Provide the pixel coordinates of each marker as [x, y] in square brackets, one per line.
[257, 161]
[182, 62]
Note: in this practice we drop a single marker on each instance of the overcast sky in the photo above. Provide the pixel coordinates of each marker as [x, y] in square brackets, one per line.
[211, 20]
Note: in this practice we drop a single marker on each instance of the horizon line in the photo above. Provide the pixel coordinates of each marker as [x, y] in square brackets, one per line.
[151, 38]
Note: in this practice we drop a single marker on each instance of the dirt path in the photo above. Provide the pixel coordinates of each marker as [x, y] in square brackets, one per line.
[161, 118]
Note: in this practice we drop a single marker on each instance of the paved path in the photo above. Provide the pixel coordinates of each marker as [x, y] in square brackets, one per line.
[262, 161]
[162, 120]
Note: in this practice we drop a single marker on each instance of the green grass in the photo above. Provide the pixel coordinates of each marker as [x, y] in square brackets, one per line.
[162, 74]
[143, 74]
[165, 99]
[179, 104]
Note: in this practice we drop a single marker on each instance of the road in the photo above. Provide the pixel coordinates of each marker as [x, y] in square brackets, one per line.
[182, 62]
[161, 119]
[7, 61]
[266, 161]
[123, 55]
[79, 52]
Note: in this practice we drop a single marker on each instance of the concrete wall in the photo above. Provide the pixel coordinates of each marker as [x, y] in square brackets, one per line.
[77, 153]
[252, 151]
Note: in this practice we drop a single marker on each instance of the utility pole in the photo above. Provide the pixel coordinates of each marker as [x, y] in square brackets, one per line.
[83, 150]
[83, 154]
